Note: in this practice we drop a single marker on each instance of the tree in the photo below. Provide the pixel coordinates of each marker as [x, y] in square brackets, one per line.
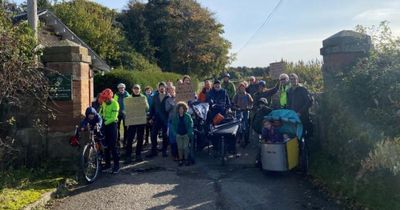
[94, 24]
[97, 26]
[24, 87]
[136, 32]
[185, 37]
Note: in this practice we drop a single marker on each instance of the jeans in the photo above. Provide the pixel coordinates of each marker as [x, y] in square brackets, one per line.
[183, 146]
[138, 131]
[157, 126]
[111, 141]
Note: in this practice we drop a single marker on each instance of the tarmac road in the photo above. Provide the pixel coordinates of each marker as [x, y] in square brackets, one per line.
[160, 184]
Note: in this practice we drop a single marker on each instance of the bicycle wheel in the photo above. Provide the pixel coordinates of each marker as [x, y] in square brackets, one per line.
[90, 163]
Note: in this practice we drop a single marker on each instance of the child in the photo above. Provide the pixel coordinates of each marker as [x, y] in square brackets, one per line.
[270, 132]
[182, 128]
[92, 119]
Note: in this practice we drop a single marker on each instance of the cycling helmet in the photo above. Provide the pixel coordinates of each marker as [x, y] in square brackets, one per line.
[107, 94]
[121, 85]
[262, 83]
[227, 75]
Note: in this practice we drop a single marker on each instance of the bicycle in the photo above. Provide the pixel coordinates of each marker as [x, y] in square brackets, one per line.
[244, 128]
[91, 156]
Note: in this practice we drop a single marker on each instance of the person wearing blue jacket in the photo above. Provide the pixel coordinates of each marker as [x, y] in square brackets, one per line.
[218, 99]
[119, 97]
[91, 120]
[159, 120]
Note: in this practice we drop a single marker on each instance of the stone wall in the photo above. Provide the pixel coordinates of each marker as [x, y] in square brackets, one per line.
[73, 60]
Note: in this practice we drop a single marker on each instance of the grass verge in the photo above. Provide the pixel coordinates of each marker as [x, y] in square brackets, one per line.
[19, 188]
[378, 190]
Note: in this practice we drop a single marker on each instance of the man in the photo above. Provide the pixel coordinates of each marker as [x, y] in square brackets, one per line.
[300, 101]
[109, 111]
[149, 95]
[253, 86]
[119, 97]
[218, 99]
[228, 86]
[279, 100]
[159, 120]
[136, 130]
[263, 92]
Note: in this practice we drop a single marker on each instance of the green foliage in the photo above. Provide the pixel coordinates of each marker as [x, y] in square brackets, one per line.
[96, 25]
[112, 79]
[309, 73]
[26, 86]
[361, 129]
[180, 35]
[18, 188]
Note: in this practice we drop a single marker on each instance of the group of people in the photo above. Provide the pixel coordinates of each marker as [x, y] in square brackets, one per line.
[169, 119]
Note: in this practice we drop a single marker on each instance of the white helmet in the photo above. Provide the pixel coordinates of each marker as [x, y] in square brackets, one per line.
[121, 85]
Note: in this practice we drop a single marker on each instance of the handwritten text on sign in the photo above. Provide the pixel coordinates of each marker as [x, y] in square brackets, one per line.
[184, 92]
[276, 69]
[135, 108]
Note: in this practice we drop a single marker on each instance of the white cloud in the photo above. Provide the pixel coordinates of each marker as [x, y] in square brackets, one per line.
[378, 15]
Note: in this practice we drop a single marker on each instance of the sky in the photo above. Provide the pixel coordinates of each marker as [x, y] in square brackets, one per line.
[295, 30]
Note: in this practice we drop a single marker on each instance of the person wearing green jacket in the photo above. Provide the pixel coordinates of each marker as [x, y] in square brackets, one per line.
[182, 128]
[136, 130]
[229, 86]
[109, 111]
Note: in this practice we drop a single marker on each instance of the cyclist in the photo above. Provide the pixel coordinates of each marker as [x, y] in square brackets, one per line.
[242, 101]
[92, 119]
[109, 111]
[218, 99]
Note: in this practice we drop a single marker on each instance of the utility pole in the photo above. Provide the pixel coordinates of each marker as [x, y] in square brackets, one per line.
[33, 18]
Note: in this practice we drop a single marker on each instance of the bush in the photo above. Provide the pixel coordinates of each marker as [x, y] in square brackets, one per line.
[144, 78]
[360, 121]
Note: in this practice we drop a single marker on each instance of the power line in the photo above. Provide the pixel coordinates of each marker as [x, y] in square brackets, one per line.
[262, 25]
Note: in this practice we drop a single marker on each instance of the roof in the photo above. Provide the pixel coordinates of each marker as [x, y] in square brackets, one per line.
[55, 31]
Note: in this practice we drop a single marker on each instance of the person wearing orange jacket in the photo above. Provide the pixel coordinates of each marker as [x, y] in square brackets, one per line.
[202, 97]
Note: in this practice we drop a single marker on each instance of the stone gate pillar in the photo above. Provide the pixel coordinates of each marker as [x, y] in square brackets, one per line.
[71, 91]
[341, 52]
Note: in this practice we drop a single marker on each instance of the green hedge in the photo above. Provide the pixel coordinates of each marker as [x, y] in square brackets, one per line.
[143, 78]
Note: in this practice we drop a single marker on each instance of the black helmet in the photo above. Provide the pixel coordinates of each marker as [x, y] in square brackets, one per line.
[227, 75]
[262, 101]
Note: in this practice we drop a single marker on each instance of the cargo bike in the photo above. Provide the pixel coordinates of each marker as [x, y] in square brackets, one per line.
[222, 137]
[292, 152]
